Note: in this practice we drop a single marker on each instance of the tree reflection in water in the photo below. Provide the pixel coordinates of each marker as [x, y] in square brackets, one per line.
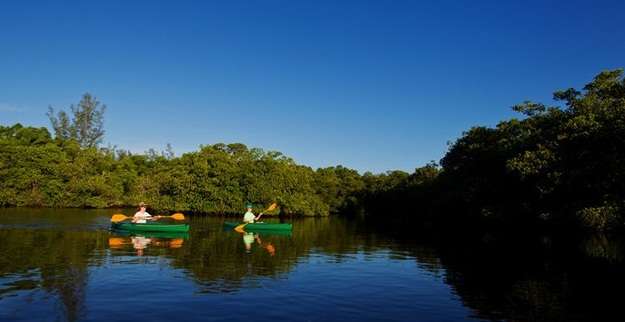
[54, 261]
[523, 278]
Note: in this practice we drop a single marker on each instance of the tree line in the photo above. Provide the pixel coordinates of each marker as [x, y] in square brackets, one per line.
[555, 165]
[69, 169]
[560, 166]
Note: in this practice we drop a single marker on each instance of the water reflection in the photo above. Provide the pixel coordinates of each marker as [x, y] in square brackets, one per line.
[254, 237]
[140, 242]
[250, 238]
[360, 266]
[56, 262]
[527, 277]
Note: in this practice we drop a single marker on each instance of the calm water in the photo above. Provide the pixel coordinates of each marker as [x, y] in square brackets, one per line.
[58, 265]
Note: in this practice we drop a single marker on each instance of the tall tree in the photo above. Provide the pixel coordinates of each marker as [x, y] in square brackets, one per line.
[86, 125]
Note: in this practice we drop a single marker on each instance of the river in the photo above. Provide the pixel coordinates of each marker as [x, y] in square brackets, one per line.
[65, 265]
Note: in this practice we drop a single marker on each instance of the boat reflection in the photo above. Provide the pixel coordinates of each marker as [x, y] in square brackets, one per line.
[249, 238]
[141, 241]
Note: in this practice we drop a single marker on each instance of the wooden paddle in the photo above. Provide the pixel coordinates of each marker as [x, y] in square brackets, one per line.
[273, 206]
[121, 217]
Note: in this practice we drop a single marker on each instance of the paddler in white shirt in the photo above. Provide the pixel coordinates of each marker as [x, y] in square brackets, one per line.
[142, 216]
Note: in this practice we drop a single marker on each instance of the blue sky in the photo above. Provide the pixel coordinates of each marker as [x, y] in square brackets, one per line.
[371, 85]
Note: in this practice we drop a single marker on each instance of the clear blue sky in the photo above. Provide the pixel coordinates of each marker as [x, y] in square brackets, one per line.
[372, 85]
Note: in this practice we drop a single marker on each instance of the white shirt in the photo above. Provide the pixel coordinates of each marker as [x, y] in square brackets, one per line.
[249, 217]
[141, 217]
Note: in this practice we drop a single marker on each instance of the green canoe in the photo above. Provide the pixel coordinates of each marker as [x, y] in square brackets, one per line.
[151, 234]
[260, 226]
[151, 226]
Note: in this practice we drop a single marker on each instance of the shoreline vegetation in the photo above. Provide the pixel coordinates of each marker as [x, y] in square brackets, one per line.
[554, 167]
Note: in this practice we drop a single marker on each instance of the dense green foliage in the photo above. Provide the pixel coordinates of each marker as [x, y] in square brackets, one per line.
[558, 164]
[555, 165]
[70, 170]
[39, 171]
[222, 178]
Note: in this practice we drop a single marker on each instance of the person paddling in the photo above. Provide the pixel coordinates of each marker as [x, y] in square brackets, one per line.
[249, 217]
[142, 216]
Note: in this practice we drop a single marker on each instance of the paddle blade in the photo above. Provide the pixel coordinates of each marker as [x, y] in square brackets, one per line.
[272, 207]
[239, 228]
[118, 218]
[178, 216]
